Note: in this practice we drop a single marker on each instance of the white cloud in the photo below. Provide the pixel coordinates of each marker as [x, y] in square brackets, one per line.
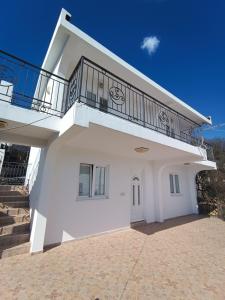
[150, 43]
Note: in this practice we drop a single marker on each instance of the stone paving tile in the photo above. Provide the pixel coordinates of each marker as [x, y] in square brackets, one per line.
[183, 258]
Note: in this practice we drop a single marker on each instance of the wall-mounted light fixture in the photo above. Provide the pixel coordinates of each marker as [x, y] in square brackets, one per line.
[141, 149]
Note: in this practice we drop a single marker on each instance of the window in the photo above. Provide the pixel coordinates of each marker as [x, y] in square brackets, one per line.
[91, 99]
[92, 181]
[85, 180]
[171, 184]
[103, 104]
[173, 133]
[170, 130]
[177, 185]
[174, 184]
[99, 181]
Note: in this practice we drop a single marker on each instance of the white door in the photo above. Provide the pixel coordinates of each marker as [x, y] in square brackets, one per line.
[137, 207]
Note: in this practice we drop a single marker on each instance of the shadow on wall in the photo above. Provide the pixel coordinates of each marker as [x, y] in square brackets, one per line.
[152, 228]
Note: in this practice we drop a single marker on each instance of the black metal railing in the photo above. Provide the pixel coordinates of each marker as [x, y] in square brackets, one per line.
[26, 85]
[99, 88]
[209, 152]
[13, 173]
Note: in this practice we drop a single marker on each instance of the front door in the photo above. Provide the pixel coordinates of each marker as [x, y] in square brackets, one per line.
[137, 207]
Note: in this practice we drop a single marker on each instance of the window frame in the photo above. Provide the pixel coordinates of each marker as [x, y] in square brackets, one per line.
[90, 179]
[172, 183]
[92, 194]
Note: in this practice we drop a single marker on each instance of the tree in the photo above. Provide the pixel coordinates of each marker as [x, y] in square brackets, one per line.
[211, 184]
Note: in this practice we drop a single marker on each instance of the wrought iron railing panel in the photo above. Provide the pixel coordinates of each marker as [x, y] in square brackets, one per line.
[100, 89]
[28, 86]
[13, 173]
[73, 93]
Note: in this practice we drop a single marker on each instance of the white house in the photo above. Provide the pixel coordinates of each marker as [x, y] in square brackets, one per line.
[109, 145]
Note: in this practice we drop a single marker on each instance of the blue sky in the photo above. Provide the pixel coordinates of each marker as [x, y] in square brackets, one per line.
[189, 60]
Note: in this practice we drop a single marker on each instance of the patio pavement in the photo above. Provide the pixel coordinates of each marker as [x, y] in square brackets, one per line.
[183, 258]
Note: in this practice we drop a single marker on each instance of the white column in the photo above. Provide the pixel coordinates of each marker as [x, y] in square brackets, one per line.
[42, 198]
[149, 205]
[158, 187]
[192, 189]
[33, 162]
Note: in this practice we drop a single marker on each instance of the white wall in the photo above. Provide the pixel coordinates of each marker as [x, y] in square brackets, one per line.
[69, 217]
[33, 178]
[32, 168]
[2, 155]
[176, 204]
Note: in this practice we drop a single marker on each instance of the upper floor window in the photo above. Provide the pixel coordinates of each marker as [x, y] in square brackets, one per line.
[93, 181]
[101, 103]
[91, 99]
[174, 184]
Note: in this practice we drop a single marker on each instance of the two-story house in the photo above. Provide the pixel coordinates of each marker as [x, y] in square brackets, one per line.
[109, 145]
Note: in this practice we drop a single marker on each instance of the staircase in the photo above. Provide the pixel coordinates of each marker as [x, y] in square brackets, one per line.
[14, 221]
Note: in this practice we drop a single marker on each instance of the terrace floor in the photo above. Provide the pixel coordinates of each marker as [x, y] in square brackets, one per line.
[183, 258]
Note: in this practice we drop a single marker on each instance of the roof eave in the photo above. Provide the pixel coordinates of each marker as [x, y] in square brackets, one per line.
[64, 28]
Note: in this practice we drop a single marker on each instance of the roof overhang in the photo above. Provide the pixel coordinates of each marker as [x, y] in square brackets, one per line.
[70, 41]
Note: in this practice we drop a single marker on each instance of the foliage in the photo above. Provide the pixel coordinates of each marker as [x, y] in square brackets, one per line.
[211, 184]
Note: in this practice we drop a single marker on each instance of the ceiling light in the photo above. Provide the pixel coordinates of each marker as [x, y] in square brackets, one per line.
[141, 149]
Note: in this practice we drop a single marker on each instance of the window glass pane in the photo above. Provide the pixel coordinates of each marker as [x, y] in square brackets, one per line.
[171, 184]
[91, 99]
[177, 185]
[168, 130]
[100, 181]
[172, 132]
[85, 180]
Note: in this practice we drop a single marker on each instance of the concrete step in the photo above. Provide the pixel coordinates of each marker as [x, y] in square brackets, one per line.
[15, 228]
[15, 250]
[16, 204]
[9, 240]
[138, 223]
[12, 188]
[13, 193]
[14, 221]
[13, 198]
[7, 220]
[13, 211]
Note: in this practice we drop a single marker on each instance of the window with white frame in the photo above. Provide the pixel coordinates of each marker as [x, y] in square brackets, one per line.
[174, 184]
[93, 181]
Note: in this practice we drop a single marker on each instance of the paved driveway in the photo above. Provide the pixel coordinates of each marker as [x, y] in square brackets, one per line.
[182, 258]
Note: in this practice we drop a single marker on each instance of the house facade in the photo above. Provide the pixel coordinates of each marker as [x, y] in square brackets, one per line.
[109, 145]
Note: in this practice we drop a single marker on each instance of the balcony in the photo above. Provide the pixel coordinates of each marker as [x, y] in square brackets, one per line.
[26, 85]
